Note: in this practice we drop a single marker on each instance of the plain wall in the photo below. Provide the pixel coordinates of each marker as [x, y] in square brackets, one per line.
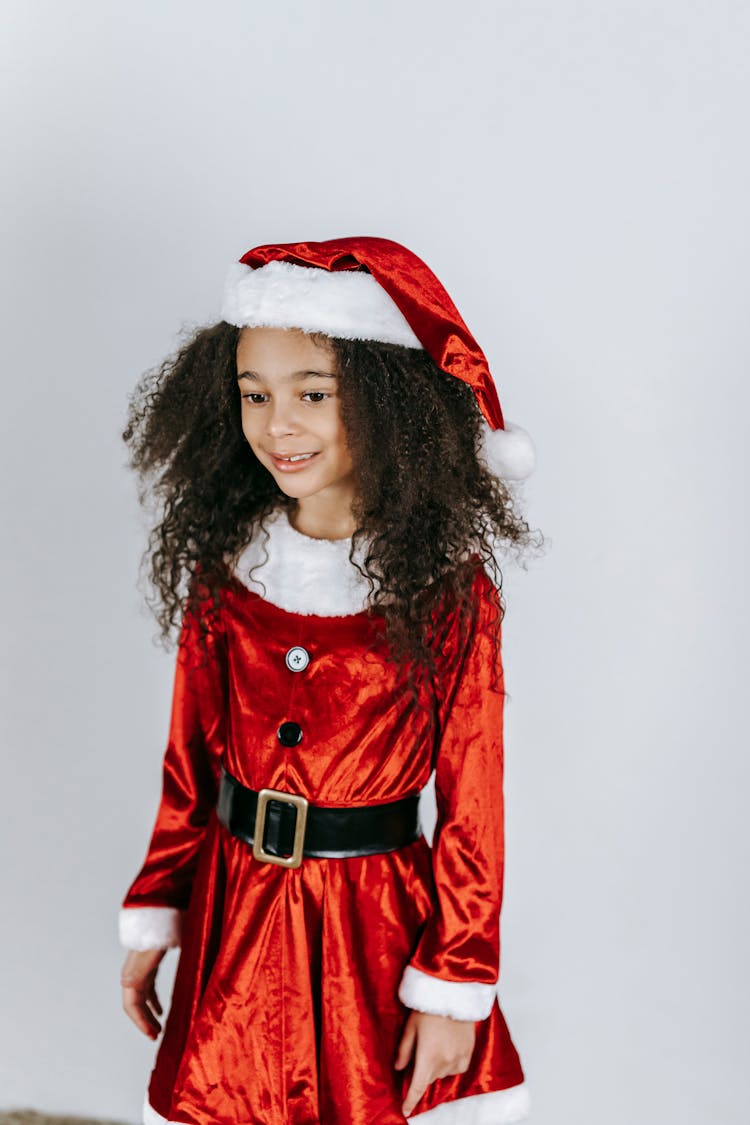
[577, 175]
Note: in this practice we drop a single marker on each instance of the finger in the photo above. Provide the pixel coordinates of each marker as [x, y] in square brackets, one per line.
[417, 1087]
[146, 1022]
[154, 1001]
[143, 1018]
[134, 1005]
[405, 1046]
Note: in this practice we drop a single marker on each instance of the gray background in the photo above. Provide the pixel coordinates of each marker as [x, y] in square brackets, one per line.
[577, 175]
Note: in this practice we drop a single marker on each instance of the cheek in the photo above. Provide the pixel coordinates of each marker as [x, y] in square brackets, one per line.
[340, 450]
[345, 457]
[250, 427]
[337, 439]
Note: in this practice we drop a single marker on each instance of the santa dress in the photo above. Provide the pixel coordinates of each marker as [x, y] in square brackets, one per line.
[293, 985]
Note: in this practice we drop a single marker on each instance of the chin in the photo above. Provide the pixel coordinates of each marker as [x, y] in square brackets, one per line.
[298, 489]
[295, 493]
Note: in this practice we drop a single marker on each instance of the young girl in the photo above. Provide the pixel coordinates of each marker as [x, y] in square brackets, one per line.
[330, 459]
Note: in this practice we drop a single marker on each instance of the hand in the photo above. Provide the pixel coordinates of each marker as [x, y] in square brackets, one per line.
[443, 1046]
[138, 980]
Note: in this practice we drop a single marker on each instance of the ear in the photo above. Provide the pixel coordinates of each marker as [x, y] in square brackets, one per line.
[509, 452]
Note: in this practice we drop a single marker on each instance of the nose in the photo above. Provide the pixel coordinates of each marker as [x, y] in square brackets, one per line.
[280, 419]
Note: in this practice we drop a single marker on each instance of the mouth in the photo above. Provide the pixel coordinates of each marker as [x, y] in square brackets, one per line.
[293, 462]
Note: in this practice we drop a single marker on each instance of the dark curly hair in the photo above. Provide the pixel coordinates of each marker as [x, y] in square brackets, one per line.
[427, 510]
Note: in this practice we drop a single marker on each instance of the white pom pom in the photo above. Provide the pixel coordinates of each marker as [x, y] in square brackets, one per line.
[510, 453]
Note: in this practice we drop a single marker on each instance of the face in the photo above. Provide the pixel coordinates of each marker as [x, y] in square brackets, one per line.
[291, 414]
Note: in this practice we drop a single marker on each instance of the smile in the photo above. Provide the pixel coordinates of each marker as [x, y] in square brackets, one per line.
[293, 463]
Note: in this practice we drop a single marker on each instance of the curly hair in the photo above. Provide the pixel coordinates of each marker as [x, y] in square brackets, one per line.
[428, 509]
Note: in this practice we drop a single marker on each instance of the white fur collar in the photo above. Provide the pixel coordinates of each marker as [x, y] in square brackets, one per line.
[301, 574]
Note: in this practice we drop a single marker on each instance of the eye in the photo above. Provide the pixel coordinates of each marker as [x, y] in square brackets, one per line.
[253, 397]
[318, 396]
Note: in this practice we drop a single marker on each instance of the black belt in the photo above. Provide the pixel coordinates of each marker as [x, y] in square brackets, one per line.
[282, 827]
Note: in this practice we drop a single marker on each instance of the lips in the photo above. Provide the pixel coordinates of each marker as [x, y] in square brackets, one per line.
[293, 462]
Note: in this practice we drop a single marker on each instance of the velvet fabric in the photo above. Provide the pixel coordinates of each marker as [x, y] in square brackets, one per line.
[285, 1008]
[416, 290]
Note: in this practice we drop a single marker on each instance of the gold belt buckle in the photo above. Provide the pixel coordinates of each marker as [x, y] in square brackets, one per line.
[300, 803]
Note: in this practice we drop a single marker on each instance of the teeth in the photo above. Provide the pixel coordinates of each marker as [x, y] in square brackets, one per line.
[299, 457]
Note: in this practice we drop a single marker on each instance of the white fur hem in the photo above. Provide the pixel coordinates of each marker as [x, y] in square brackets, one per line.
[461, 1000]
[150, 927]
[499, 1107]
[151, 1117]
[347, 303]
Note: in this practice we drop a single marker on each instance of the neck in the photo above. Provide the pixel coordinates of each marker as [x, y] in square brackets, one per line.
[323, 517]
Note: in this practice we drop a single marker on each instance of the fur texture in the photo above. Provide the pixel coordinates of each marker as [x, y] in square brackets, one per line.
[345, 303]
[500, 1107]
[149, 927]
[461, 1000]
[301, 574]
[510, 453]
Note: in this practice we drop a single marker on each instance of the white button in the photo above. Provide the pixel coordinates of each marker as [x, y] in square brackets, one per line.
[297, 659]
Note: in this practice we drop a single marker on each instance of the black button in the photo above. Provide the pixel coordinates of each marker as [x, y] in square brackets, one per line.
[289, 734]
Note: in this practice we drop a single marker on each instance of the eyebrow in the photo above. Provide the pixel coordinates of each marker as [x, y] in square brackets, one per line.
[295, 376]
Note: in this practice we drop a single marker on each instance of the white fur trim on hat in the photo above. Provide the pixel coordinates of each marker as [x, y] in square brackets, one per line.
[344, 303]
[510, 453]
[459, 999]
[150, 927]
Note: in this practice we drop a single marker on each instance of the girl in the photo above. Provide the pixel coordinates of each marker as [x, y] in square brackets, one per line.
[326, 549]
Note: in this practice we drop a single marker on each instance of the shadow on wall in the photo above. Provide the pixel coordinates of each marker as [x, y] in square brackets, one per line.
[31, 1117]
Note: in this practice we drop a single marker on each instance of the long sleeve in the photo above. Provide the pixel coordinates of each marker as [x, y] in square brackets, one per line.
[455, 967]
[153, 908]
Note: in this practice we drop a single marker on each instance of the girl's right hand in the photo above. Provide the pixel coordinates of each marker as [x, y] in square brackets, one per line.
[138, 980]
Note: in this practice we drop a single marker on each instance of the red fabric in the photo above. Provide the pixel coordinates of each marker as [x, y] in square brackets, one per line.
[285, 1006]
[419, 295]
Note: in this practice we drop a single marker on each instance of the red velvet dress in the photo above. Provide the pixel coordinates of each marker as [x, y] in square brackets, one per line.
[293, 984]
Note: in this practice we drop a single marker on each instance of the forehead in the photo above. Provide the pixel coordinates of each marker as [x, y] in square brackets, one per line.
[279, 350]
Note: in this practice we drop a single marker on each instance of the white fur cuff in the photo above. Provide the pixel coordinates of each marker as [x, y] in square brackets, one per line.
[461, 1000]
[150, 927]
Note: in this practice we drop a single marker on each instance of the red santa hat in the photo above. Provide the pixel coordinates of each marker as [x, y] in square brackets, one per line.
[373, 289]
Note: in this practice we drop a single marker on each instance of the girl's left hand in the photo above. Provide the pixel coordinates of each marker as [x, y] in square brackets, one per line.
[443, 1046]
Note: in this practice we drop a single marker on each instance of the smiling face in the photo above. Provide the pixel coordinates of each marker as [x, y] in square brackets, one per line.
[291, 414]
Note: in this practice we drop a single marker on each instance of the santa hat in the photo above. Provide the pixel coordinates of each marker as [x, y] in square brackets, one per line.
[373, 289]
